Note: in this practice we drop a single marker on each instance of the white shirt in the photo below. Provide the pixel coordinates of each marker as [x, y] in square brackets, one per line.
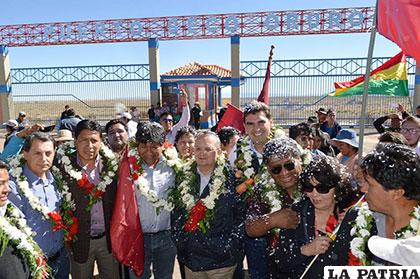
[204, 180]
[3, 210]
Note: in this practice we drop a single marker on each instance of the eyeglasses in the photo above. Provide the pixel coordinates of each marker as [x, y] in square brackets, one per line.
[320, 188]
[288, 166]
[168, 120]
[409, 130]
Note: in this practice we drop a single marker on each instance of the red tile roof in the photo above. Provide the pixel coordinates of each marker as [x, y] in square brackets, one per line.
[196, 68]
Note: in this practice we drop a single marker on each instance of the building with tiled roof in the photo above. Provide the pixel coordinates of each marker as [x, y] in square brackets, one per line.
[203, 83]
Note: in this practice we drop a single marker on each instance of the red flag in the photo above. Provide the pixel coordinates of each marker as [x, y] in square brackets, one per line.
[233, 117]
[265, 91]
[399, 21]
[126, 232]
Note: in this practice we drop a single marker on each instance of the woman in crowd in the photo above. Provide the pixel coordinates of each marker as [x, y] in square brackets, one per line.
[329, 194]
[276, 191]
[321, 142]
[184, 142]
[410, 128]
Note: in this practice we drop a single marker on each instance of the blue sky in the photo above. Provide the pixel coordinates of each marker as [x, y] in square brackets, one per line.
[177, 53]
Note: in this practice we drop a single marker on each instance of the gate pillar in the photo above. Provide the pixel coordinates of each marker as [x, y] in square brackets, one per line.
[6, 101]
[154, 71]
[236, 72]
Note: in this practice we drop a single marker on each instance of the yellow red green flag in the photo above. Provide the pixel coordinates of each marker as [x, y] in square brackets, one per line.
[388, 79]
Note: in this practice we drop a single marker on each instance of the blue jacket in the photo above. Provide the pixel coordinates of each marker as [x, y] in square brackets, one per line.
[221, 245]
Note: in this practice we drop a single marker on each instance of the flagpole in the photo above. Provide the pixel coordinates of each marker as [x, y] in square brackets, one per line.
[366, 84]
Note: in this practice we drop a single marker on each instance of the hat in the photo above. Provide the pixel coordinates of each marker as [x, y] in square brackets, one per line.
[125, 114]
[399, 251]
[22, 113]
[321, 111]
[11, 123]
[348, 136]
[64, 135]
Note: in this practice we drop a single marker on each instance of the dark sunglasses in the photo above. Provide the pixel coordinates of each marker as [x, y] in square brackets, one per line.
[288, 166]
[320, 188]
[168, 120]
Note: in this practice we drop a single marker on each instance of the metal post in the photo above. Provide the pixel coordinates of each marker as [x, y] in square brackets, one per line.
[366, 84]
[416, 97]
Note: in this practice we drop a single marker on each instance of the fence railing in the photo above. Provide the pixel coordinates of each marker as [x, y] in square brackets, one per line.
[93, 91]
[299, 87]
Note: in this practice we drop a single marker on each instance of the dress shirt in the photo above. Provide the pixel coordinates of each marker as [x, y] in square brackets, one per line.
[204, 180]
[97, 225]
[160, 178]
[50, 242]
[183, 121]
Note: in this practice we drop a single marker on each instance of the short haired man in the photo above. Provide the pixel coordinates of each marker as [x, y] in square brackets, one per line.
[392, 182]
[167, 120]
[34, 192]
[247, 159]
[158, 177]
[228, 136]
[117, 135]
[21, 119]
[212, 249]
[89, 170]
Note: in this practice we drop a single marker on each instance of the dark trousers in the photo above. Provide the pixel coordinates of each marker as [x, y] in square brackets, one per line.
[255, 251]
[60, 264]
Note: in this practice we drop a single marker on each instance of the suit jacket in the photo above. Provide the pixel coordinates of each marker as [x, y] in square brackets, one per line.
[80, 247]
[12, 266]
[221, 245]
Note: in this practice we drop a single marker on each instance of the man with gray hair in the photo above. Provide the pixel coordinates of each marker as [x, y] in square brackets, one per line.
[208, 247]
[153, 176]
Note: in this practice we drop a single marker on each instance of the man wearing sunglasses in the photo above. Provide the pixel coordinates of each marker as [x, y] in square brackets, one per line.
[167, 120]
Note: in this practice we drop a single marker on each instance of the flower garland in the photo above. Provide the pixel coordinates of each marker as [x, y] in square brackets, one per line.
[199, 211]
[361, 233]
[16, 171]
[412, 228]
[170, 157]
[272, 194]
[93, 192]
[13, 230]
[243, 163]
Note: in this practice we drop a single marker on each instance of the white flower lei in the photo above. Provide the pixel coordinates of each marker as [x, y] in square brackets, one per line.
[244, 162]
[361, 233]
[363, 224]
[271, 193]
[17, 231]
[216, 188]
[16, 171]
[65, 161]
[170, 157]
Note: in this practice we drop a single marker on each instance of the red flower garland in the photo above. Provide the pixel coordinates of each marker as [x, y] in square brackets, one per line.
[353, 260]
[197, 214]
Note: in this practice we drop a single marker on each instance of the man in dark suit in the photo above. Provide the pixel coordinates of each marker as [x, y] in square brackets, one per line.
[213, 252]
[11, 264]
[92, 239]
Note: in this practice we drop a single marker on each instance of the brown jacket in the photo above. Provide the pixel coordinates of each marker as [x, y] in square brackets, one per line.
[80, 247]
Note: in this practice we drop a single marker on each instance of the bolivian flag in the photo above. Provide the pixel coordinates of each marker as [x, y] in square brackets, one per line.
[388, 79]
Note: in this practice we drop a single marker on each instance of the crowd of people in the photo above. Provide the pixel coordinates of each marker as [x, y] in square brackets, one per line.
[210, 200]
